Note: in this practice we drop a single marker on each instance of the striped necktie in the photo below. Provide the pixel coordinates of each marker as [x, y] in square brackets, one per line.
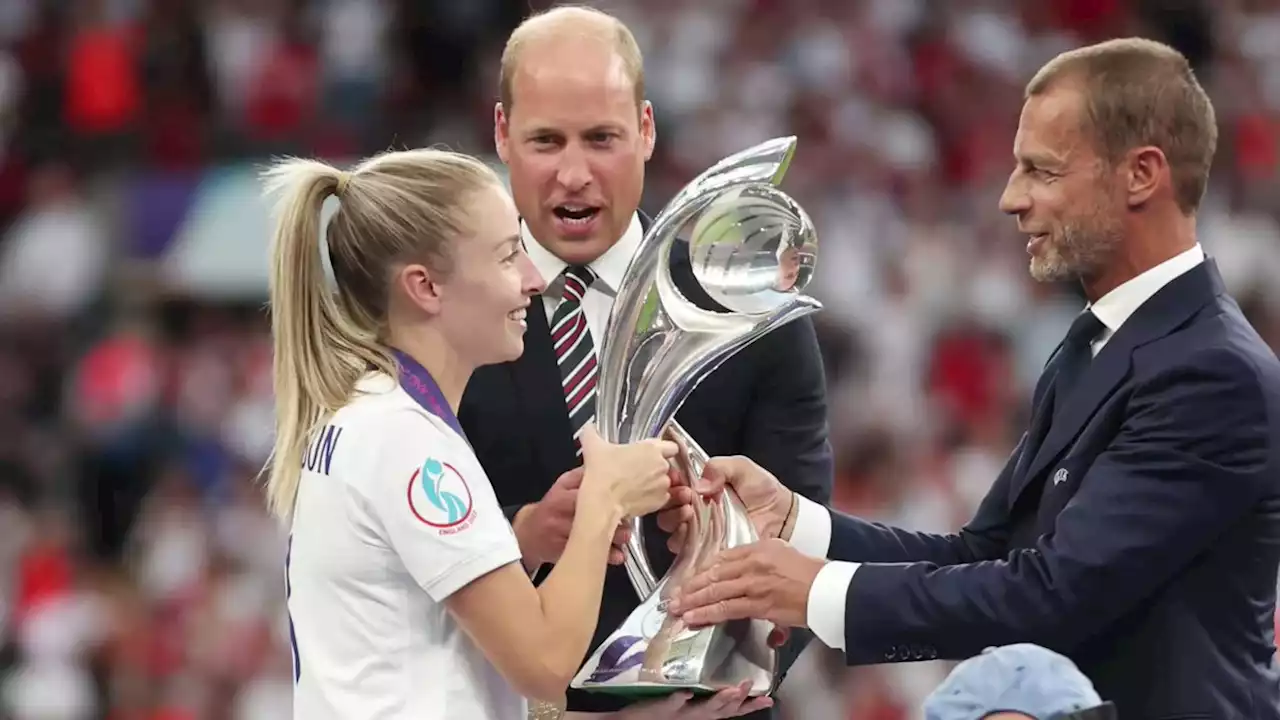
[575, 352]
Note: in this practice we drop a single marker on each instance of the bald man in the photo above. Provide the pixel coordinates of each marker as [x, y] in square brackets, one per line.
[574, 128]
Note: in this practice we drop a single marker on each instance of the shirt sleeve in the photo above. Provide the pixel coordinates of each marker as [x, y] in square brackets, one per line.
[827, 598]
[811, 534]
[436, 508]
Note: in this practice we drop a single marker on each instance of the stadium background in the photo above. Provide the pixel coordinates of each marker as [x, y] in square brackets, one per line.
[139, 578]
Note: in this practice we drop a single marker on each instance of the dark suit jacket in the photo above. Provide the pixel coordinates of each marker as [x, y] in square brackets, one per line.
[1140, 538]
[767, 402]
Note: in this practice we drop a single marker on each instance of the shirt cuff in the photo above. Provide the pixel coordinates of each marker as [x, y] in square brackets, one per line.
[811, 534]
[827, 599]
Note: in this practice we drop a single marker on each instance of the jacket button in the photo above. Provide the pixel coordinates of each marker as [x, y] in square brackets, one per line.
[891, 654]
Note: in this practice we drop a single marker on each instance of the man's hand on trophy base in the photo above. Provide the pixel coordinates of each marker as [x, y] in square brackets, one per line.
[542, 529]
[768, 580]
[767, 501]
[729, 703]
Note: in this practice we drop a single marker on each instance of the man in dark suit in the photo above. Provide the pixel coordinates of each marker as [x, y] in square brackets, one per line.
[575, 132]
[1136, 526]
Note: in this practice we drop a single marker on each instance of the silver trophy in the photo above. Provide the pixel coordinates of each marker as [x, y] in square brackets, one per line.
[752, 249]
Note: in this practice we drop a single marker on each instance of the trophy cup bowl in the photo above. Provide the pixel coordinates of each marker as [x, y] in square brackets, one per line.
[752, 249]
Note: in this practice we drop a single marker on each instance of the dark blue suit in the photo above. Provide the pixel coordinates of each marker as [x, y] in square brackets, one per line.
[1140, 536]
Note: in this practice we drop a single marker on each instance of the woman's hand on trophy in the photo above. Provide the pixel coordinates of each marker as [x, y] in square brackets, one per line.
[768, 502]
[634, 477]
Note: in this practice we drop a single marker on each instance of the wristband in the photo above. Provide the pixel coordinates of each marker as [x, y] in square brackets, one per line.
[789, 523]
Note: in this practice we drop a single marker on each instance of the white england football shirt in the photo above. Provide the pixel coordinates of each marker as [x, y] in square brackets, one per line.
[393, 515]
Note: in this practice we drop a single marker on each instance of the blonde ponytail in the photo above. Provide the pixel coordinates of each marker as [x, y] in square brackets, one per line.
[319, 351]
[394, 208]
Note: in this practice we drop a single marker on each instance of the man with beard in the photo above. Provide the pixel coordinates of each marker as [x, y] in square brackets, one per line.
[1136, 526]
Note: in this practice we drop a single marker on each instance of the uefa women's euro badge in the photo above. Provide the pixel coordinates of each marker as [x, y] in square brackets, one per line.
[752, 249]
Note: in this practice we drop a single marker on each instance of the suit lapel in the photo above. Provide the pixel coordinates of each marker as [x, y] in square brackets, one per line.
[1099, 381]
[1161, 314]
[537, 382]
[1041, 413]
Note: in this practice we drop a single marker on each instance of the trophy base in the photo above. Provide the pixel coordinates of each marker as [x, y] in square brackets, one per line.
[653, 654]
[642, 691]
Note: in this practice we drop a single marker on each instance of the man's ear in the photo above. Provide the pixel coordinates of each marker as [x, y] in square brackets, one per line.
[1146, 165]
[648, 129]
[501, 131]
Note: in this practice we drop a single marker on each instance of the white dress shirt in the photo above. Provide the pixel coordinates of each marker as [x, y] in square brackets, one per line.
[609, 269]
[1114, 308]
[812, 533]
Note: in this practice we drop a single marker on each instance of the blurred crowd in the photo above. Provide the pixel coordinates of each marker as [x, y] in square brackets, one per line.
[139, 576]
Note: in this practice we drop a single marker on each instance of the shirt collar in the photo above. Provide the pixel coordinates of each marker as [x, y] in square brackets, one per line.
[609, 267]
[1114, 308]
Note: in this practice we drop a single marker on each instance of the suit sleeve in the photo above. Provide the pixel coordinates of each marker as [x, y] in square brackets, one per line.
[785, 430]
[1192, 457]
[985, 537]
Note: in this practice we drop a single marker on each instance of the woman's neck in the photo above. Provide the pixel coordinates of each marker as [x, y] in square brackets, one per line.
[449, 371]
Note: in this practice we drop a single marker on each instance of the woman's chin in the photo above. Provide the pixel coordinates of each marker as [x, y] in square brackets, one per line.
[514, 349]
